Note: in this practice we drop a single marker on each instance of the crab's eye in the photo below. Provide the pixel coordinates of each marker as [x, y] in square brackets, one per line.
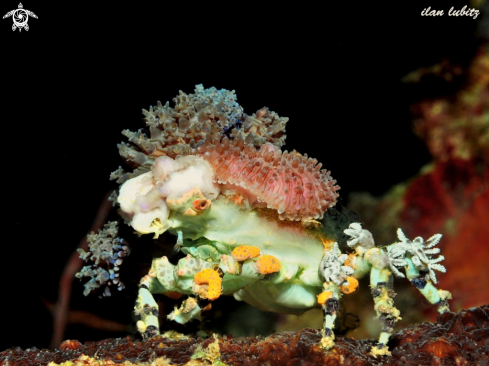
[201, 205]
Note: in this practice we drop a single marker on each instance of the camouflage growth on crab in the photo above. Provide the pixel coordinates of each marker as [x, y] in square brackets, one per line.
[245, 214]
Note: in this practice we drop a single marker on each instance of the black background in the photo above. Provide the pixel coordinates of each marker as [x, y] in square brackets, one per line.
[83, 72]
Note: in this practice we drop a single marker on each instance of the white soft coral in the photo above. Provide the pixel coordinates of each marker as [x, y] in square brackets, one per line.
[143, 199]
[422, 253]
[333, 268]
[174, 178]
[360, 239]
[143, 206]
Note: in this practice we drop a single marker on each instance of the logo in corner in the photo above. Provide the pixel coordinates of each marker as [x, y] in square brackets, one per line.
[20, 17]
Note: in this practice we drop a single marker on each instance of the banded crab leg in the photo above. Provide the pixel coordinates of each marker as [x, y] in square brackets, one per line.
[337, 273]
[415, 256]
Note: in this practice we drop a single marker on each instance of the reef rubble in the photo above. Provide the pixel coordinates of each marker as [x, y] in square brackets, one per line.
[454, 339]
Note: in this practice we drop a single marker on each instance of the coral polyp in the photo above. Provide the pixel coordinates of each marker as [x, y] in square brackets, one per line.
[246, 216]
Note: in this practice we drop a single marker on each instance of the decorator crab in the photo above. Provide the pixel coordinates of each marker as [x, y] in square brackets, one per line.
[247, 216]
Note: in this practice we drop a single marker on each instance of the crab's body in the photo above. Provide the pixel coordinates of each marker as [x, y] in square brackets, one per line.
[226, 226]
[247, 217]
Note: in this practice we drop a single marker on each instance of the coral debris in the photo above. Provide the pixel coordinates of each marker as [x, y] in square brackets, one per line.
[454, 339]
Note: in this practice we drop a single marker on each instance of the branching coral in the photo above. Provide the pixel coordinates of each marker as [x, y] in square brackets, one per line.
[106, 252]
[207, 115]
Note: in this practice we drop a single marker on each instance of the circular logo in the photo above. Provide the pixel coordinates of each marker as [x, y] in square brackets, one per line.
[20, 17]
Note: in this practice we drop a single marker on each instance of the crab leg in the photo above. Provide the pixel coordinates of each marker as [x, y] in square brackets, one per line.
[387, 314]
[426, 287]
[329, 301]
[147, 308]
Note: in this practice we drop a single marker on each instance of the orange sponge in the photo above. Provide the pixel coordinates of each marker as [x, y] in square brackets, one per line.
[323, 296]
[267, 264]
[351, 287]
[244, 252]
[212, 279]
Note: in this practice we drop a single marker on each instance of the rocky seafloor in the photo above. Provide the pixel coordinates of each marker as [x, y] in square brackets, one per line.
[454, 339]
